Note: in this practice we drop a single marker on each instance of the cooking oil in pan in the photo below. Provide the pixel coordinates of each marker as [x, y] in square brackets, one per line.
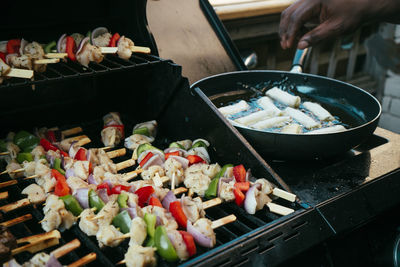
[348, 119]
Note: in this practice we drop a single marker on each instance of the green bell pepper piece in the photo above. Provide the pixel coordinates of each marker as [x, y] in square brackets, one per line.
[199, 144]
[150, 242]
[123, 221]
[24, 156]
[72, 204]
[26, 141]
[164, 245]
[122, 200]
[95, 201]
[57, 166]
[211, 191]
[143, 131]
[48, 48]
[177, 145]
[145, 147]
[3, 146]
[150, 220]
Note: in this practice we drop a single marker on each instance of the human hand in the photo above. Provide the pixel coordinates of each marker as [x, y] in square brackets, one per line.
[334, 18]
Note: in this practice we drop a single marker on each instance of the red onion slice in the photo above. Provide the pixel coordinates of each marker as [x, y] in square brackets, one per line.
[22, 46]
[131, 211]
[53, 262]
[183, 161]
[50, 159]
[154, 151]
[70, 172]
[109, 183]
[82, 195]
[61, 43]
[154, 160]
[168, 199]
[200, 238]
[92, 180]
[81, 45]
[3, 47]
[248, 175]
[8, 58]
[103, 194]
[96, 32]
[72, 150]
[250, 202]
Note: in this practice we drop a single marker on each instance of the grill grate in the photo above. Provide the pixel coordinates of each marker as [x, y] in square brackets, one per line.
[109, 256]
[71, 70]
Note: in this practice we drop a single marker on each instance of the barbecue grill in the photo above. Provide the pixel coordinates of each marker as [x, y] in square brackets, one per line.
[147, 87]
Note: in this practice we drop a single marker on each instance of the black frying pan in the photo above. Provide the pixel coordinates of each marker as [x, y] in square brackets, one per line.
[353, 105]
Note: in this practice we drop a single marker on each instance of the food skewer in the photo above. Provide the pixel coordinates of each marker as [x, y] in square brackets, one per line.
[84, 260]
[134, 48]
[215, 224]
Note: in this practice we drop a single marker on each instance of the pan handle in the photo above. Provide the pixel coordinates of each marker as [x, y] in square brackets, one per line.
[299, 60]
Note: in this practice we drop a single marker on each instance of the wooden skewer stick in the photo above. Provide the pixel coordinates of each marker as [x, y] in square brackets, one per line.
[284, 194]
[20, 73]
[56, 55]
[106, 148]
[15, 205]
[278, 209]
[4, 195]
[35, 247]
[130, 175]
[180, 190]
[47, 61]
[8, 183]
[3, 172]
[31, 177]
[85, 260]
[4, 153]
[116, 153]
[212, 203]
[83, 141]
[224, 220]
[67, 248]
[17, 220]
[75, 138]
[17, 170]
[39, 237]
[72, 131]
[141, 49]
[108, 50]
[125, 164]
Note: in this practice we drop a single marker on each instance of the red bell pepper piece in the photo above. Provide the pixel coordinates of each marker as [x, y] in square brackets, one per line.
[243, 186]
[106, 186]
[155, 202]
[145, 159]
[61, 188]
[193, 159]
[144, 193]
[81, 154]
[239, 196]
[113, 40]
[176, 210]
[189, 241]
[175, 153]
[13, 46]
[70, 48]
[240, 173]
[49, 146]
[120, 128]
[3, 56]
[119, 188]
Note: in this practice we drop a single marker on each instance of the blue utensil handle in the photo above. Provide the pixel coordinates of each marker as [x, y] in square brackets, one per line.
[299, 60]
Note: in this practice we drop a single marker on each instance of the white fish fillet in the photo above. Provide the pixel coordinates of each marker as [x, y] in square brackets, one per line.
[302, 118]
[266, 103]
[254, 117]
[271, 122]
[284, 97]
[235, 108]
[318, 111]
[332, 129]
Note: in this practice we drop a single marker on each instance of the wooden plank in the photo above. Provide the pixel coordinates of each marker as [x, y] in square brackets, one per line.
[333, 59]
[353, 55]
